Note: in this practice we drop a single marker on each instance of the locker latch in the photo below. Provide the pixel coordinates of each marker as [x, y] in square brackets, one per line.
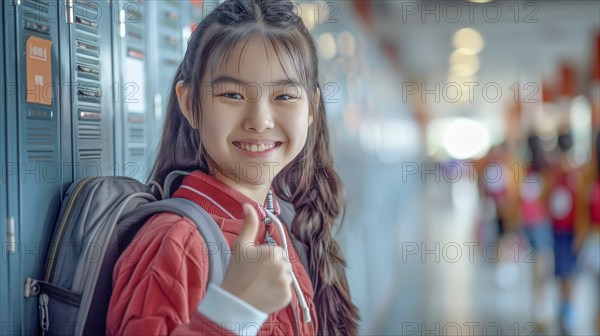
[11, 245]
[69, 8]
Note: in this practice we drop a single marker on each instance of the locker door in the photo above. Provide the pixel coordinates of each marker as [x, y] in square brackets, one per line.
[92, 88]
[171, 27]
[4, 249]
[132, 103]
[33, 147]
[167, 52]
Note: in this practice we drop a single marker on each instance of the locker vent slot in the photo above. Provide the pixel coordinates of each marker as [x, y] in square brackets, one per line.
[133, 14]
[134, 36]
[172, 40]
[86, 70]
[89, 131]
[136, 154]
[136, 135]
[136, 118]
[87, 47]
[172, 3]
[40, 137]
[88, 75]
[89, 93]
[131, 52]
[134, 20]
[88, 10]
[171, 62]
[39, 156]
[171, 19]
[86, 24]
[36, 16]
[90, 154]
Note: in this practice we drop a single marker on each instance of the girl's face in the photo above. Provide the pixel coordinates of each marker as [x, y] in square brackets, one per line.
[255, 119]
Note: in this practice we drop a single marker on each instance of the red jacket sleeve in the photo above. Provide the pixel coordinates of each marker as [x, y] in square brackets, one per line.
[159, 281]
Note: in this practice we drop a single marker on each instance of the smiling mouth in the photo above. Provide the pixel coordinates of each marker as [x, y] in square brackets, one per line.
[256, 148]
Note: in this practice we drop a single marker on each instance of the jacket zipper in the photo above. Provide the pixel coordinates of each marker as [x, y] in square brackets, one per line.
[62, 226]
[297, 326]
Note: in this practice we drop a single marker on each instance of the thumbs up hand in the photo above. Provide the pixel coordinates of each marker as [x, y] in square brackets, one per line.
[258, 274]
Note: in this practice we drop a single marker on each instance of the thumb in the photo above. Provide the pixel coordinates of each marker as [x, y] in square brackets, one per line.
[250, 227]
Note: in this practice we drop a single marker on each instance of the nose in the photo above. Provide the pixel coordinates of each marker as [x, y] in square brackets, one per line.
[259, 117]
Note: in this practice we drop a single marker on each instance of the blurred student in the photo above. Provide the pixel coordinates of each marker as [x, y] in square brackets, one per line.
[533, 190]
[564, 213]
[497, 187]
[589, 258]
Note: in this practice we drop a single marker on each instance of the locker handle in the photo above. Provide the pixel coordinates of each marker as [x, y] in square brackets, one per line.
[11, 245]
[38, 27]
[69, 8]
[122, 31]
[158, 106]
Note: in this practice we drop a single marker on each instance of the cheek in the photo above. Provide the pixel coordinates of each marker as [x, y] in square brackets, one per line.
[297, 131]
[212, 132]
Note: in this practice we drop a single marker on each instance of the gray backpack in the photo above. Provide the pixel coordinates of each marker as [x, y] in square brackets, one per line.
[98, 219]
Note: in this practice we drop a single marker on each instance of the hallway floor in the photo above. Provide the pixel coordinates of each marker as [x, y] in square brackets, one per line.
[449, 282]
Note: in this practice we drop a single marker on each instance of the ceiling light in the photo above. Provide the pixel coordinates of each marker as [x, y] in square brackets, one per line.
[469, 39]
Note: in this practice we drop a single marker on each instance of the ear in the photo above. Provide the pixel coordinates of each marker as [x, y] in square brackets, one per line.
[311, 113]
[183, 94]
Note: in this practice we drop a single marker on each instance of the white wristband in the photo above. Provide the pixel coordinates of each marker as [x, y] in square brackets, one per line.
[231, 312]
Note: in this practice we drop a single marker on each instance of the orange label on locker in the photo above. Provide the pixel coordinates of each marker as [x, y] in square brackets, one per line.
[39, 71]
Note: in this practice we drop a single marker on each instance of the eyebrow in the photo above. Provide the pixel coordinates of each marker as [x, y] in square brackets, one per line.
[229, 79]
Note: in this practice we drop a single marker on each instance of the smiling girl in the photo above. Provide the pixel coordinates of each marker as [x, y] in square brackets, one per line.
[246, 117]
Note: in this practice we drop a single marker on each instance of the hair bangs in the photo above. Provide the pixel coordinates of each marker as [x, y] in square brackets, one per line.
[231, 41]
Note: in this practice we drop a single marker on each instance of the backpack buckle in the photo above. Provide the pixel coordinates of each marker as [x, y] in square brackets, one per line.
[32, 288]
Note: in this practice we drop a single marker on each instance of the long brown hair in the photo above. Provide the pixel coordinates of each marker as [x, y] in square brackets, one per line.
[309, 182]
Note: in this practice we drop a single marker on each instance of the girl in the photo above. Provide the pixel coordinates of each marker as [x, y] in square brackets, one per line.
[247, 117]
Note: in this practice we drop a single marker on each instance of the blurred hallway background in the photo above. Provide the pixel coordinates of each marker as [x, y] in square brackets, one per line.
[421, 92]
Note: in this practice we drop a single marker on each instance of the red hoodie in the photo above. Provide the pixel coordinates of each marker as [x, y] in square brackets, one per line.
[162, 276]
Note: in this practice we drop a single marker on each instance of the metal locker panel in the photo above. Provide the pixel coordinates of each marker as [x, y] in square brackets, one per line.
[92, 91]
[171, 27]
[10, 316]
[33, 148]
[133, 104]
[5, 249]
[167, 51]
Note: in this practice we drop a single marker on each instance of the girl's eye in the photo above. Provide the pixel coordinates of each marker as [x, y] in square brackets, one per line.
[233, 95]
[285, 97]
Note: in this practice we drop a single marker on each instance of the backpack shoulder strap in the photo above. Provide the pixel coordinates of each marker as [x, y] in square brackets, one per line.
[287, 214]
[216, 245]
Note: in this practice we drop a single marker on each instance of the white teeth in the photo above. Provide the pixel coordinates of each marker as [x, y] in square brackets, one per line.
[255, 148]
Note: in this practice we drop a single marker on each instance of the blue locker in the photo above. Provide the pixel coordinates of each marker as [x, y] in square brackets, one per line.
[171, 27]
[92, 88]
[34, 156]
[133, 103]
[4, 303]
[166, 47]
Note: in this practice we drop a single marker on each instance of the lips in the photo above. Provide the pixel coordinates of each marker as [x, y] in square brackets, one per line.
[256, 147]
